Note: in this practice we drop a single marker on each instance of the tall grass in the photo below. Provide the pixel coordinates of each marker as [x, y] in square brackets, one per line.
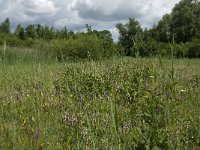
[121, 103]
[12, 55]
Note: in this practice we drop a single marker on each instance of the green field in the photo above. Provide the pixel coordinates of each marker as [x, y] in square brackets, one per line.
[122, 103]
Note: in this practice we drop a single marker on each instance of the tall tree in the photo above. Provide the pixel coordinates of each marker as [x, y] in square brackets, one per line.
[130, 33]
[89, 28]
[64, 32]
[163, 28]
[30, 31]
[105, 35]
[185, 23]
[19, 32]
[5, 26]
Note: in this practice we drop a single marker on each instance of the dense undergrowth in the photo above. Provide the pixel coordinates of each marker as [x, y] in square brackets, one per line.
[122, 103]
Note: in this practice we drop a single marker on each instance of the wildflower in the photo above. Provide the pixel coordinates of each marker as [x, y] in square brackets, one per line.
[69, 119]
[38, 86]
[182, 91]
[37, 136]
[159, 108]
[18, 96]
[118, 88]
[151, 77]
[178, 111]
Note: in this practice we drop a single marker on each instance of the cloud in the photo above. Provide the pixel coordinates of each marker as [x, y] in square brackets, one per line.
[101, 14]
[39, 8]
[111, 10]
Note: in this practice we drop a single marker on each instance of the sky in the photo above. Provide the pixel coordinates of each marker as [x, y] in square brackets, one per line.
[74, 14]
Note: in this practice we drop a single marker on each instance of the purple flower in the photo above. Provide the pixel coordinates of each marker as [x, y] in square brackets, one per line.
[159, 108]
[37, 136]
[17, 96]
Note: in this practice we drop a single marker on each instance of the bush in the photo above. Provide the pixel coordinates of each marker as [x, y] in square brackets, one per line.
[152, 48]
[147, 48]
[164, 49]
[11, 40]
[193, 48]
[180, 50]
[87, 46]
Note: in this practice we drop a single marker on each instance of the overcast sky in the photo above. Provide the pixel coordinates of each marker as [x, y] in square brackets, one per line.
[101, 14]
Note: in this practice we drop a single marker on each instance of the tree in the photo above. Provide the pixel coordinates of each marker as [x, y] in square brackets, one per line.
[89, 28]
[19, 32]
[104, 35]
[64, 32]
[5, 26]
[30, 31]
[162, 29]
[185, 22]
[48, 33]
[39, 31]
[130, 33]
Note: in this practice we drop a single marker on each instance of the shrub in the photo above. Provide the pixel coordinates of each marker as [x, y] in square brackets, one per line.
[147, 48]
[164, 49]
[193, 48]
[87, 46]
[180, 50]
[152, 48]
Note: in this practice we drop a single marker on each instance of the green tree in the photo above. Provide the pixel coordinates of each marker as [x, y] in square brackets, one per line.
[30, 31]
[5, 26]
[185, 22]
[130, 33]
[19, 32]
[163, 28]
[39, 29]
[105, 35]
[89, 28]
[64, 32]
[48, 33]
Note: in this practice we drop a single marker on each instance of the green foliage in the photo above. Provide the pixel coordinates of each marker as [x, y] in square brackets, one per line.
[130, 34]
[183, 24]
[147, 48]
[12, 56]
[5, 26]
[177, 28]
[193, 48]
[180, 50]
[83, 47]
[163, 29]
[114, 104]
[30, 31]
[19, 32]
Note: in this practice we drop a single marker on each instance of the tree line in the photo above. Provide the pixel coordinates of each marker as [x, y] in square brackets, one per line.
[180, 28]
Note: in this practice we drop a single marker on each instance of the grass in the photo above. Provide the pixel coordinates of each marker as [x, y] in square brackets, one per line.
[121, 103]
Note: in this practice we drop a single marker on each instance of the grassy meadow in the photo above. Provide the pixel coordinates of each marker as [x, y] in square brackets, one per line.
[121, 103]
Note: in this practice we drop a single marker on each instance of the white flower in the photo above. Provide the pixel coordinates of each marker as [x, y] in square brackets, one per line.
[182, 91]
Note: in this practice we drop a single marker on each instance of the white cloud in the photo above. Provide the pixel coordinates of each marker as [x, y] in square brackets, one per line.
[114, 33]
[76, 13]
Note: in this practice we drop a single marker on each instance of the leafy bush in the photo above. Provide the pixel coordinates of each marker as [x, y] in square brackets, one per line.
[164, 49]
[180, 50]
[82, 47]
[193, 48]
[151, 48]
[148, 48]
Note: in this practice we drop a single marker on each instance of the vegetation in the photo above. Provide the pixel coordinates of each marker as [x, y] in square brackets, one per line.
[181, 28]
[116, 104]
[65, 90]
